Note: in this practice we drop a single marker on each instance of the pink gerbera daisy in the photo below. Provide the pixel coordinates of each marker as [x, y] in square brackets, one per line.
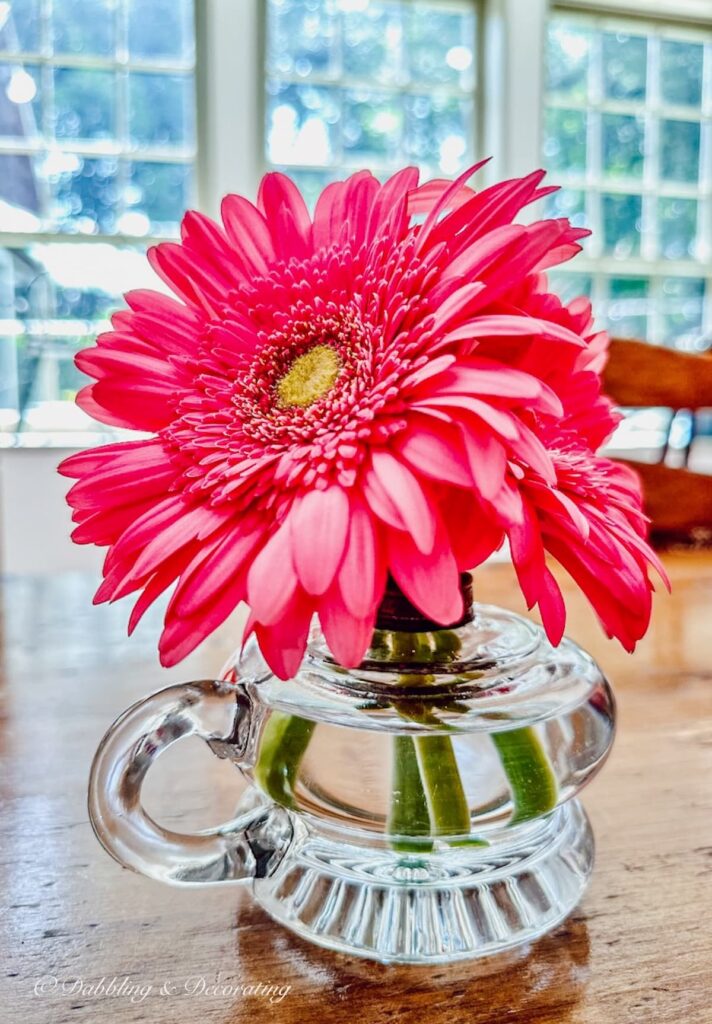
[385, 388]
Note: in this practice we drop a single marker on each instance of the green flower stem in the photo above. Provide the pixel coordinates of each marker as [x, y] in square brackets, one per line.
[282, 747]
[427, 795]
[409, 816]
[527, 766]
[447, 804]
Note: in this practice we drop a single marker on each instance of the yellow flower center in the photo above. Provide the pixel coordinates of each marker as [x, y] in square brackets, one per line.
[309, 377]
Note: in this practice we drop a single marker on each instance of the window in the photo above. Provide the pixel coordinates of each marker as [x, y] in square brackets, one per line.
[97, 150]
[98, 145]
[628, 131]
[369, 83]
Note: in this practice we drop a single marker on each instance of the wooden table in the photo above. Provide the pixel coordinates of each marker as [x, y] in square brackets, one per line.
[639, 949]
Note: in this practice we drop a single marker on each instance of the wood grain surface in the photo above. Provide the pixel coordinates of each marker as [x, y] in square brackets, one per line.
[678, 502]
[639, 948]
[639, 374]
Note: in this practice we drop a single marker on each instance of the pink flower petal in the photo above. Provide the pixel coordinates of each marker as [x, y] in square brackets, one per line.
[319, 529]
[132, 402]
[281, 203]
[155, 586]
[248, 233]
[499, 420]
[211, 570]
[96, 459]
[423, 198]
[553, 610]
[466, 402]
[380, 502]
[448, 199]
[362, 575]
[272, 579]
[487, 460]
[484, 377]
[437, 451]
[390, 204]
[348, 637]
[181, 636]
[283, 644]
[474, 534]
[407, 495]
[489, 209]
[513, 326]
[431, 582]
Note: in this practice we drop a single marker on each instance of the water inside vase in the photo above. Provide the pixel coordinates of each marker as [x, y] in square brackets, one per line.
[349, 776]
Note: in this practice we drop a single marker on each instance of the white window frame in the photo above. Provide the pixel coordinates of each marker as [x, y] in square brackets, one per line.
[512, 36]
[230, 89]
[230, 114]
[185, 155]
[231, 96]
[20, 240]
[230, 99]
[594, 262]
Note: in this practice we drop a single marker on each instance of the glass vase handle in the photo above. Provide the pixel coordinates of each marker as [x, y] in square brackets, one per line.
[250, 846]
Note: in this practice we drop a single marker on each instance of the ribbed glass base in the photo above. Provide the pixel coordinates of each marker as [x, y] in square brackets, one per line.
[453, 903]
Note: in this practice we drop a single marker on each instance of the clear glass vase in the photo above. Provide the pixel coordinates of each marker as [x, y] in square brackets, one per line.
[421, 808]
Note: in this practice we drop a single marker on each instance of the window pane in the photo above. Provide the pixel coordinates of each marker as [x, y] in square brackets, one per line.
[680, 150]
[156, 198]
[567, 59]
[85, 26]
[98, 115]
[440, 45]
[624, 66]
[74, 99]
[301, 38]
[569, 203]
[54, 298]
[161, 109]
[21, 109]
[565, 140]
[681, 72]
[628, 307]
[568, 286]
[85, 104]
[678, 228]
[84, 194]
[20, 26]
[623, 145]
[372, 126]
[377, 83]
[373, 44]
[647, 90]
[161, 29]
[20, 203]
[621, 224]
[683, 306]
[437, 133]
[302, 124]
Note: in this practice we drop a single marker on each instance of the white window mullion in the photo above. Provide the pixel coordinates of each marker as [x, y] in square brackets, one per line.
[704, 221]
[697, 11]
[660, 104]
[594, 154]
[521, 27]
[650, 230]
[75, 252]
[229, 88]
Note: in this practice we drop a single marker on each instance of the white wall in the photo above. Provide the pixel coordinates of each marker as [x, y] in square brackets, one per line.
[35, 521]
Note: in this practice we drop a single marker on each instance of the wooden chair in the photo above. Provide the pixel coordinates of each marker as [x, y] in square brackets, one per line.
[638, 375]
